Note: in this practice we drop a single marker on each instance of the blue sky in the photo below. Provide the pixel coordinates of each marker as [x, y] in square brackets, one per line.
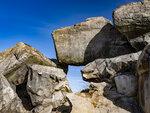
[32, 21]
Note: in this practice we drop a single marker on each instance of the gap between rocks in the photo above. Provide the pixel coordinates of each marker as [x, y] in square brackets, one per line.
[22, 93]
[75, 80]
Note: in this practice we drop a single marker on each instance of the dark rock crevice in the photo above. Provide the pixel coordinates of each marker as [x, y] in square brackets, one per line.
[23, 94]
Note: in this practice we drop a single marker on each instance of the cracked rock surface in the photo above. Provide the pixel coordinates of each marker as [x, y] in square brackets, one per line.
[133, 20]
[86, 41]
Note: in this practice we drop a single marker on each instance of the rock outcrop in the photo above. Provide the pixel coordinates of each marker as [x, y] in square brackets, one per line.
[119, 76]
[14, 62]
[23, 54]
[35, 83]
[143, 69]
[47, 86]
[126, 84]
[97, 100]
[105, 69]
[133, 20]
[86, 41]
[9, 101]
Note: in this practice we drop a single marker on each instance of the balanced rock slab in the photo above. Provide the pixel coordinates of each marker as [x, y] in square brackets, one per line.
[86, 41]
[133, 20]
[143, 70]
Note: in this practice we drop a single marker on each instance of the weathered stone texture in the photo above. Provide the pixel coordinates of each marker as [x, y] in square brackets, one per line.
[86, 41]
[97, 100]
[133, 20]
[35, 82]
[143, 69]
[126, 84]
[105, 69]
[9, 101]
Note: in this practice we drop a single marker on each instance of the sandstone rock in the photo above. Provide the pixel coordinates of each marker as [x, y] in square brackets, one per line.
[86, 41]
[14, 62]
[133, 20]
[40, 88]
[126, 84]
[41, 109]
[9, 101]
[104, 69]
[144, 1]
[80, 104]
[62, 66]
[143, 69]
[65, 108]
[36, 79]
[22, 53]
[47, 86]
[110, 95]
[96, 101]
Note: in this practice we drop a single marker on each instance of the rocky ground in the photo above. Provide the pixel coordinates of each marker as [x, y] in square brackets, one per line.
[117, 59]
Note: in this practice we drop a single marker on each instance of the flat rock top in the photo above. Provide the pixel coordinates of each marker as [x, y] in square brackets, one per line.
[94, 22]
[52, 71]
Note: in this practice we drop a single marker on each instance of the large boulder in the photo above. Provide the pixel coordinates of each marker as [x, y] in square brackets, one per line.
[39, 82]
[143, 70]
[86, 41]
[9, 101]
[133, 20]
[47, 86]
[22, 53]
[14, 62]
[105, 69]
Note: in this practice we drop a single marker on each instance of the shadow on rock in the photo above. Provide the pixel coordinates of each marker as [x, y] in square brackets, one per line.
[66, 108]
[108, 43]
[128, 103]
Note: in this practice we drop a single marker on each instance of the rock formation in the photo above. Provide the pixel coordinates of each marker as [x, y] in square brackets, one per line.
[22, 54]
[9, 101]
[126, 84]
[47, 86]
[35, 83]
[101, 98]
[133, 20]
[118, 74]
[86, 41]
[143, 69]
[106, 69]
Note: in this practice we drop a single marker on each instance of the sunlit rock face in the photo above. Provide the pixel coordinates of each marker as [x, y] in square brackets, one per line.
[47, 86]
[9, 101]
[23, 54]
[105, 69]
[86, 41]
[35, 83]
[133, 20]
[102, 98]
[143, 69]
